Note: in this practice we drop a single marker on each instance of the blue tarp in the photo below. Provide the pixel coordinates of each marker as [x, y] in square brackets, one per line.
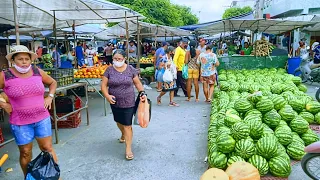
[247, 16]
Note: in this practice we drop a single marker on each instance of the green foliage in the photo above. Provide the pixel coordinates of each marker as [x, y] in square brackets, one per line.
[235, 11]
[161, 12]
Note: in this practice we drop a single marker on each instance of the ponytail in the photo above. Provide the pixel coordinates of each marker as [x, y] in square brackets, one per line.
[193, 46]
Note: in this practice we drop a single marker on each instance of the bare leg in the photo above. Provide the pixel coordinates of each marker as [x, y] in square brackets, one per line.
[205, 90]
[189, 82]
[211, 90]
[45, 144]
[25, 157]
[120, 126]
[128, 137]
[171, 96]
[196, 87]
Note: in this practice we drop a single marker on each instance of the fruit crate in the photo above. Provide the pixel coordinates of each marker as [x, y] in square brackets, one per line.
[1, 137]
[72, 121]
[63, 77]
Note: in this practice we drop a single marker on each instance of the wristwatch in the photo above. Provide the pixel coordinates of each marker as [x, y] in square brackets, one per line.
[51, 95]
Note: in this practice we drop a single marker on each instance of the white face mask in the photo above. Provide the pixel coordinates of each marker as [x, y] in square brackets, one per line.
[22, 70]
[118, 63]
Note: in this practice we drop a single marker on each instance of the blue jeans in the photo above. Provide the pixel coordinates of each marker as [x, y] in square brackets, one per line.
[25, 134]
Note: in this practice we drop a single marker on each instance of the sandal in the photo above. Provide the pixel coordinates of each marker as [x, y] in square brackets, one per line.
[159, 100]
[209, 100]
[197, 100]
[129, 157]
[159, 90]
[188, 100]
[173, 104]
[122, 140]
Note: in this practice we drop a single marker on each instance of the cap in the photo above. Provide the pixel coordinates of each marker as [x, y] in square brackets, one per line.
[165, 44]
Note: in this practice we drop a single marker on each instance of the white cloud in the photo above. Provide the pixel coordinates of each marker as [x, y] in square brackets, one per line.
[210, 10]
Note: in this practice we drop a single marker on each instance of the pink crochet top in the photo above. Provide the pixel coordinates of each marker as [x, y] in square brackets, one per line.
[26, 97]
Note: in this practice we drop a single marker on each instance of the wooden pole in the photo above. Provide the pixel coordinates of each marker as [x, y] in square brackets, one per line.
[127, 36]
[74, 42]
[16, 22]
[138, 43]
[9, 49]
[55, 35]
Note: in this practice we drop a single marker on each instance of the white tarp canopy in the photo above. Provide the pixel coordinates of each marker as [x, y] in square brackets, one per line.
[312, 18]
[271, 26]
[146, 30]
[40, 13]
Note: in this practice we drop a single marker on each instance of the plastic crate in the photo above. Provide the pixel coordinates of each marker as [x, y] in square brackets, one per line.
[64, 81]
[72, 121]
[63, 77]
[1, 137]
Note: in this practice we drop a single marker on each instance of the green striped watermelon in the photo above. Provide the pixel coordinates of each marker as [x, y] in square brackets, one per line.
[267, 147]
[296, 138]
[278, 102]
[287, 113]
[231, 119]
[226, 143]
[302, 88]
[296, 151]
[282, 122]
[212, 147]
[242, 105]
[232, 111]
[223, 131]
[265, 105]
[296, 80]
[267, 130]
[252, 117]
[272, 118]
[297, 104]
[234, 159]
[240, 130]
[309, 137]
[277, 88]
[307, 116]
[224, 86]
[256, 129]
[245, 148]
[281, 150]
[313, 107]
[299, 125]
[280, 167]
[317, 118]
[260, 163]
[217, 160]
[220, 122]
[284, 135]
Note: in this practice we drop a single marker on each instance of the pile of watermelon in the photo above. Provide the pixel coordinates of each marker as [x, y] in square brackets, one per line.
[261, 117]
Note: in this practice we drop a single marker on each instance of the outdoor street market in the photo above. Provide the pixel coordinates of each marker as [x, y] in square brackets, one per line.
[248, 107]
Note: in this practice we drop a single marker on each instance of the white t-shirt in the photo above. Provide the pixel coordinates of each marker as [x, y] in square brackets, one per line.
[134, 53]
[202, 49]
[90, 53]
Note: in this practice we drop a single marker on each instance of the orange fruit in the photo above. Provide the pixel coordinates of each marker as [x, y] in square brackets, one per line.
[82, 76]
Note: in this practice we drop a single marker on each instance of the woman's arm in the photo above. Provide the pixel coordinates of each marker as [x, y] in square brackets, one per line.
[137, 83]
[105, 90]
[187, 57]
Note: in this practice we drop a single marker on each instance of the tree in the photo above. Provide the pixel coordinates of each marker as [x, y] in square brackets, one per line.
[161, 12]
[235, 11]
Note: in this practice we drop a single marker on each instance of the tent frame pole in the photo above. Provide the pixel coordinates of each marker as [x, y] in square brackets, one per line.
[16, 22]
[9, 49]
[138, 43]
[74, 43]
[127, 36]
[55, 34]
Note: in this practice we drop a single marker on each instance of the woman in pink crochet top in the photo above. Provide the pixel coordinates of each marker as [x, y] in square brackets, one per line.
[27, 107]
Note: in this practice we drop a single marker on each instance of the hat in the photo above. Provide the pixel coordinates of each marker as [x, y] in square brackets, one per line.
[20, 49]
[165, 44]
[132, 41]
[314, 45]
[184, 40]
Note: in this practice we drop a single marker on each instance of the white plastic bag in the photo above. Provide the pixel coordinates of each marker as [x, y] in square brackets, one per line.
[167, 76]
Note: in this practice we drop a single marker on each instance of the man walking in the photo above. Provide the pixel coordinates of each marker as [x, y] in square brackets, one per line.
[159, 54]
[80, 54]
[179, 59]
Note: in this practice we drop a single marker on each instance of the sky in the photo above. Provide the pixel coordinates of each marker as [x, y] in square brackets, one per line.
[210, 10]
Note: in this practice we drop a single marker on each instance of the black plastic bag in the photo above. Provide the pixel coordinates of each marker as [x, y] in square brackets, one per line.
[43, 167]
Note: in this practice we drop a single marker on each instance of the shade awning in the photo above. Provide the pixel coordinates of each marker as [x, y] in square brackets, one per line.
[40, 13]
[270, 26]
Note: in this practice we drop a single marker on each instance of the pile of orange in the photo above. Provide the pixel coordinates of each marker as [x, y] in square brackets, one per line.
[90, 72]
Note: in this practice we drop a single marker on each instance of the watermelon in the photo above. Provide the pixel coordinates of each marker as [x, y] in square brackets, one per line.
[313, 107]
[279, 166]
[240, 130]
[296, 80]
[226, 143]
[284, 135]
[224, 86]
[217, 160]
[282, 122]
[302, 88]
[296, 138]
[254, 112]
[234, 159]
[267, 130]
[279, 102]
[260, 163]
[245, 148]
[317, 118]
[231, 119]
[212, 148]
[232, 111]
[223, 131]
[287, 113]
[277, 88]
[256, 129]
[272, 118]
[297, 105]
[296, 151]
[242, 105]
[281, 150]
[267, 147]
[309, 137]
[254, 98]
[299, 125]
[265, 105]
[307, 116]
[252, 117]
[220, 122]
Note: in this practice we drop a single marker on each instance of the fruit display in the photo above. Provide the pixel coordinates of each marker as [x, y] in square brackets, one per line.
[262, 117]
[90, 72]
[144, 60]
[148, 71]
[63, 77]
[133, 60]
[262, 48]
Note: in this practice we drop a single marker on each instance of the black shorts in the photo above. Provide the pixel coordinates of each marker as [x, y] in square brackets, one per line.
[108, 60]
[123, 116]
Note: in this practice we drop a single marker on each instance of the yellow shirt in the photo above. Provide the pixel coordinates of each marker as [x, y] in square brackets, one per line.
[179, 57]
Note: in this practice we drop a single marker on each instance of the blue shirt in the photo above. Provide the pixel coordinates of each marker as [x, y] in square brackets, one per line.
[79, 53]
[317, 54]
[159, 52]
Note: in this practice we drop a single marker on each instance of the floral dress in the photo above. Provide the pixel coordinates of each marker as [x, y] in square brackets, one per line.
[47, 60]
[169, 65]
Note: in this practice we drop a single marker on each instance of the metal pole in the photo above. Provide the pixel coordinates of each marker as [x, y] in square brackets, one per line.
[127, 36]
[16, 22]
[75, 42]
[55, 36]
[138, 43]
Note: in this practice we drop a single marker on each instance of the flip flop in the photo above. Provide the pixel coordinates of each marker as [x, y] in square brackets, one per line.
[197, 100]
[122, 140]
[188, 100]
[129, 157]
[158, 100]
[173, 104]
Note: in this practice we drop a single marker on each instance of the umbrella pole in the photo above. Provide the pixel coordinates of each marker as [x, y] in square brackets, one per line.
[16, 23]
[127, 36]
[138, 43]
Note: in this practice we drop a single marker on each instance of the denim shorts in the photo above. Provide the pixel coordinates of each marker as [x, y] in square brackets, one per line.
[25, 134]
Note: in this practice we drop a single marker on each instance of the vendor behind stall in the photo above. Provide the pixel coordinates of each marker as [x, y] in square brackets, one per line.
[246, 49]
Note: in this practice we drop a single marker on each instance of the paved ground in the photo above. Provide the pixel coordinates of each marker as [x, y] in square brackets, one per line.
[172, 147]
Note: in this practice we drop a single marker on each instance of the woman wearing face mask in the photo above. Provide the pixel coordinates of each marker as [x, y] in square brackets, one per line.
[117, 87]
[167, 63]
[27, 107]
